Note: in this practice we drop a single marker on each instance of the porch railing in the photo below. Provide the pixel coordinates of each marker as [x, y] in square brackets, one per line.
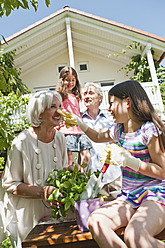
[152, 91]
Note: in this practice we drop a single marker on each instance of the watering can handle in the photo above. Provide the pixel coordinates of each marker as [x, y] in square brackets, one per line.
[105, 167]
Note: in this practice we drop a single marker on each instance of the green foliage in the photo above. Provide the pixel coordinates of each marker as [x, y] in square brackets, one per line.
[161, 78]
[11, 99]
[139, 65]
[8, 105]
[6, 6]
[6, 243]
[2, 161]
[9, 76]
[141, 71]
[70, 185]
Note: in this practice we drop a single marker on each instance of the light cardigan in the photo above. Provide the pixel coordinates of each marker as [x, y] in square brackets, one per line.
[23, 214]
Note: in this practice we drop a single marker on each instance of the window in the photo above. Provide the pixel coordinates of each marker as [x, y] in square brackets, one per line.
[83, 67]
[40, 88]
[106, 84]
[59, 68]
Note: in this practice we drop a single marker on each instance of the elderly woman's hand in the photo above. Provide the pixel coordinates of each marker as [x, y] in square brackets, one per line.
[48, 190]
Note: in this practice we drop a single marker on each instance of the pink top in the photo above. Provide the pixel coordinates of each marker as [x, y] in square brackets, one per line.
[71, 105]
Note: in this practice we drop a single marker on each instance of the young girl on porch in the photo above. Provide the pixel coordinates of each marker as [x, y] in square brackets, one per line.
[141, 205]
[70, 89]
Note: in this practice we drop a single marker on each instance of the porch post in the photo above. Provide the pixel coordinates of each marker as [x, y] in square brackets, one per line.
[69, 39]
[153, 72]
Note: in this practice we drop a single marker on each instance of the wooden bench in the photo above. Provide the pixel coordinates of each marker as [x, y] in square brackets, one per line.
[67, 235]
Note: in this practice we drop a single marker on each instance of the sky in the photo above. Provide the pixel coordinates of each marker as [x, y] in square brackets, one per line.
[146, 15]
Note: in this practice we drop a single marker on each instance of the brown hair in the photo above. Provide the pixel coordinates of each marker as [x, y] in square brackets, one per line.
[142, 108]
[62, 89]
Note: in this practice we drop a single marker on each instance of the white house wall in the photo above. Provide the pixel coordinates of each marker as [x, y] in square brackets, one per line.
[99, 69]
[45, 75]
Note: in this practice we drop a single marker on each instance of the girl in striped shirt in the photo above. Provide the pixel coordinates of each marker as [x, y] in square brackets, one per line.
[141, 205]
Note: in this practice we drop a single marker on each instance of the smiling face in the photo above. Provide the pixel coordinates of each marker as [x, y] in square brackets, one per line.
[50, 117]
[70, 82]
[118, 109]
[91, 97]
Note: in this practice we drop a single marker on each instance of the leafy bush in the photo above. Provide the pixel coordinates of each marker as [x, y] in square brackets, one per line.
[161, 78]
[9, 105]
[141, 71]
[9, 75]
[11, 99]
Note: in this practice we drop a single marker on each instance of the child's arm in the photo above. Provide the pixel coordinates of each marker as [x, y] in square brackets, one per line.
[98, 137]
[121, 157]
[72, 120]
[155, 169]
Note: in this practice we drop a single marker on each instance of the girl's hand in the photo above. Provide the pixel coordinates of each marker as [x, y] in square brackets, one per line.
[119, 156]
[72, 120]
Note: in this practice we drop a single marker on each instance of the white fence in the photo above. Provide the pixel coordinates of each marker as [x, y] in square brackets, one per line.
[152, 91]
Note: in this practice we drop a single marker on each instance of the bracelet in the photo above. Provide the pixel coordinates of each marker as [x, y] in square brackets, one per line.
[45, 192]
[45, 204]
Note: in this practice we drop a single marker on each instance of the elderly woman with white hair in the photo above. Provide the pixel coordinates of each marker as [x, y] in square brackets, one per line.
[33, 154]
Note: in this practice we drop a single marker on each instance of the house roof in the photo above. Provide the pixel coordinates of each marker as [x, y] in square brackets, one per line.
[91, 35]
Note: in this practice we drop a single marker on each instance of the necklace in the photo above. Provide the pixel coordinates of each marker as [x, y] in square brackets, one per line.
[38, 165]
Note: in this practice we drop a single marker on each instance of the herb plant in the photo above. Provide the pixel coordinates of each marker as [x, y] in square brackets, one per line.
[70, 185]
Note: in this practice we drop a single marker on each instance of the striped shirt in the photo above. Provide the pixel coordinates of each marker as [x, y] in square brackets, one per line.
[137, 187]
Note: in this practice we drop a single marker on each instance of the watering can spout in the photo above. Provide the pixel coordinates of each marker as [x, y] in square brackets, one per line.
[105, 167]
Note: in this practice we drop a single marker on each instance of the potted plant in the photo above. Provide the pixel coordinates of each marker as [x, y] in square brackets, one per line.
[71, 185]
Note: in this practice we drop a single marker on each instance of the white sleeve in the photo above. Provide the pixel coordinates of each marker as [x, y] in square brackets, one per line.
[114, 131]
[13, 174]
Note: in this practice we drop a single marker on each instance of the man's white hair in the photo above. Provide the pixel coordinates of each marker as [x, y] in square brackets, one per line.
[98, 88]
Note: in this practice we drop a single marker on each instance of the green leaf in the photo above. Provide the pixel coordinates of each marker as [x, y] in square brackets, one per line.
[66, 184]
[67, 205]
[47, 2]
[57, 183]
[62, 211]
[76, 169]
[25, 3]
[34, 4]
[55, 194]
[50, 198]
[72, 181]
[72, 201]
[76, 197]
[84, 165]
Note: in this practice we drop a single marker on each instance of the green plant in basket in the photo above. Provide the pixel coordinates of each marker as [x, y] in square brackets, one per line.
[70, 185]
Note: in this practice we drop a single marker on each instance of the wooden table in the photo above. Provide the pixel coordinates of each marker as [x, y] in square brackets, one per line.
[65, 235]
